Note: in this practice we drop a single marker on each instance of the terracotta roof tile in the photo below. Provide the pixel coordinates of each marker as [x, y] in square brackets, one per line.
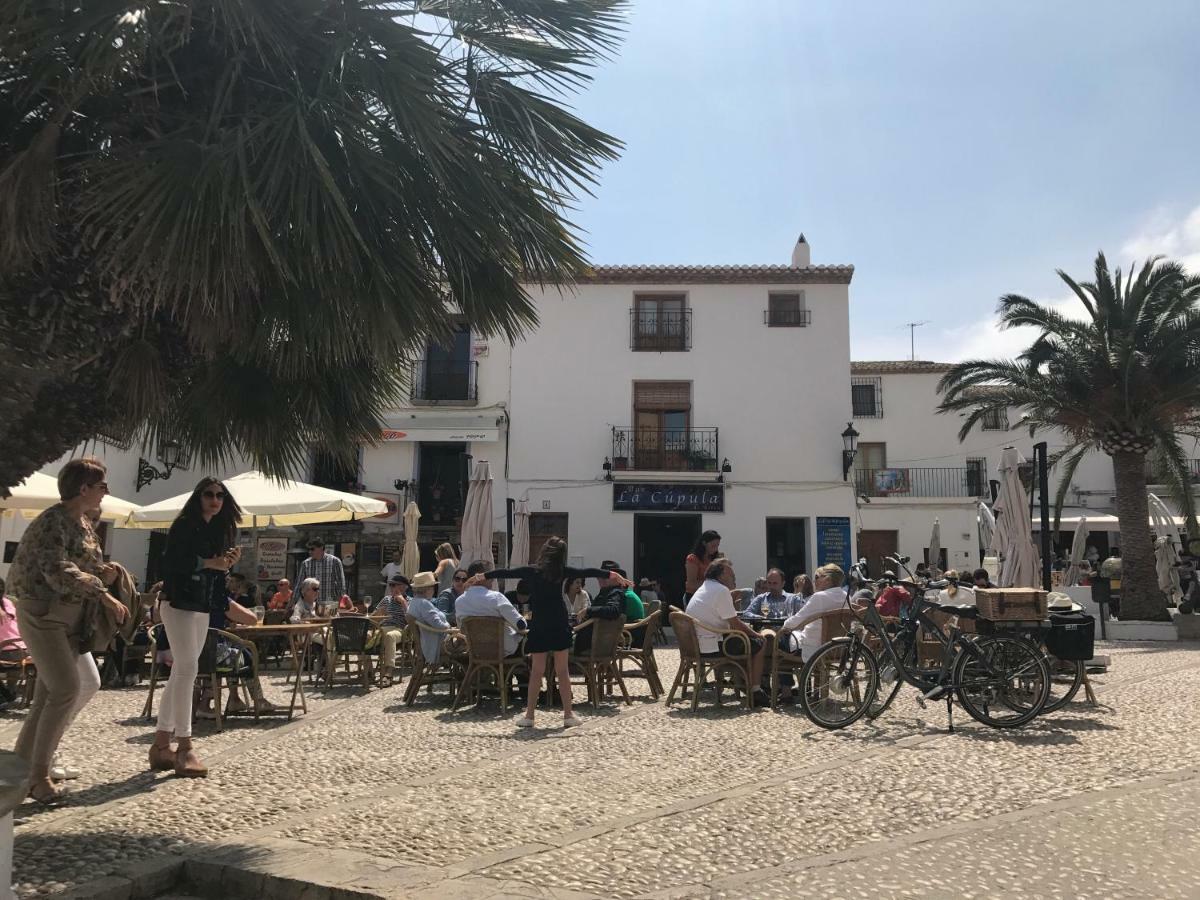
[898, 367]
[717, 275]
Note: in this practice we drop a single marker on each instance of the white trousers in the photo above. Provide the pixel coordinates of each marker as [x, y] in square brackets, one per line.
[187, 631]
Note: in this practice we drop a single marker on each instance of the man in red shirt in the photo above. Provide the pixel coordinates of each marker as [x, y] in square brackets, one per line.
[282, 597]
[892, 599]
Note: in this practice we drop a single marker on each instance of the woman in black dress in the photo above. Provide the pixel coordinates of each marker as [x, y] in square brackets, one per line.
[550, 629]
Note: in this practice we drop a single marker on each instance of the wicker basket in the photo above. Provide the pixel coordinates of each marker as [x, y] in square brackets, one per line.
[1011, 604]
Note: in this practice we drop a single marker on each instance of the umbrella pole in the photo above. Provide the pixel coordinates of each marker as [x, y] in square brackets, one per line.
[1041, 467]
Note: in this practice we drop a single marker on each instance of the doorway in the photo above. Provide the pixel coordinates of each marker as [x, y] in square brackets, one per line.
[874, 546]
[661, 543]
[786, 541]
[441, 484]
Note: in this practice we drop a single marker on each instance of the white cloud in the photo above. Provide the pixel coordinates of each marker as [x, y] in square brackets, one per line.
[1162, 234]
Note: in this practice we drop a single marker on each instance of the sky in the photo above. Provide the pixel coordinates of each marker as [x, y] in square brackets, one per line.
[952, 152]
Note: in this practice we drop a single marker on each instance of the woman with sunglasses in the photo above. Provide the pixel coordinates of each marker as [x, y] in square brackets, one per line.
[200, 550]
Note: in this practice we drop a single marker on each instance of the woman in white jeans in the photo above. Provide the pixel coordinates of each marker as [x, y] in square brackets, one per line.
[200, 550]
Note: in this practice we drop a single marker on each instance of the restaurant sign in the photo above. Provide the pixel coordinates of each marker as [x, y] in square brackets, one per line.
[833, 541]
[668, 497]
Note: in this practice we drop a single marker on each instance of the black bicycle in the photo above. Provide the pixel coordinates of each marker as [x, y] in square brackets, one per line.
[1001, 680]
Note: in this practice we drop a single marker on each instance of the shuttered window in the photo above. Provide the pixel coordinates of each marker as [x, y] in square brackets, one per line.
[663, 396]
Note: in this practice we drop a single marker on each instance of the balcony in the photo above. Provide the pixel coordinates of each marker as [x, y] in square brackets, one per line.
[449, 382]
[950, 482]
[665, 450]
[787, 318]
[659, 331]
[1158, 475]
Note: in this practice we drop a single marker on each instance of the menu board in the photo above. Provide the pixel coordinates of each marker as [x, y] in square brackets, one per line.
[272, 558]
[833, 541]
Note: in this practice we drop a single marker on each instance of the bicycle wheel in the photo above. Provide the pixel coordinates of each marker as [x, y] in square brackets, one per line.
[1066, 678]
[890, 680]
[1006, 685]
[838, 684]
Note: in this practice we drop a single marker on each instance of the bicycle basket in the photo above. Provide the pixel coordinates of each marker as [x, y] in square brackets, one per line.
[1072, 636]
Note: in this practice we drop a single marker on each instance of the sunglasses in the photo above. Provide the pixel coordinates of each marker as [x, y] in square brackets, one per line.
[215, 495]
[459, 578]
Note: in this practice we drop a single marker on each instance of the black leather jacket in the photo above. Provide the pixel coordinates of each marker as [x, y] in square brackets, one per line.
[186, 583]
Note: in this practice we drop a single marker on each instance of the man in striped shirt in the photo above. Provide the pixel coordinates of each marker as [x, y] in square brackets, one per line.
[327, 569]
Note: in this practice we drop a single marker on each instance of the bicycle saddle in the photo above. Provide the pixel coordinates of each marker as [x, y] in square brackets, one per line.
[963, 612]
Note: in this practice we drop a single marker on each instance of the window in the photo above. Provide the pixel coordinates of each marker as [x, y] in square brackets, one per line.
[662, 415]
[542, 527]
[787, 310]
[447, 373]
[866, 398]
[660, 323]
[976, 476]
[871, 456]
[995, 419]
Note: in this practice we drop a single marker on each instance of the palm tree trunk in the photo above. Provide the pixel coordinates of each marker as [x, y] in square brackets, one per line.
[1140, 596]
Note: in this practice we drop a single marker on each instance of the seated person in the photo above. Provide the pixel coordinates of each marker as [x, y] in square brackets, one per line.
[712, 606]
[957, 592]
[520, 597]
[611, 601]
[14, 650]
[648, 591]
[830, 596]
[394, 608]
[982, 580]
[774, 602]
[893, 599]
[481, 600]
[232, 655]
[576, 599]
[305, 608]
[421, 609]
[445, 600]
[282, 598]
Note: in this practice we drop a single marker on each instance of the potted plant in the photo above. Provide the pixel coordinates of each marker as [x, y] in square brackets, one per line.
[620, 460]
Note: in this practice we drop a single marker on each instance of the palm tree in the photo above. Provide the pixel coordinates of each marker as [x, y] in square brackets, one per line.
[1125, 380]
[233, 223]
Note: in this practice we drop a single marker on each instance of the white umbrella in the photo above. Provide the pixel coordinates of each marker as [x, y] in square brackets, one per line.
[1078, 548]
[410, 562]
[268, 502]
[1166, 556]
[477, 517]
[987, 526]
[39, 492]
[519, 555]
[1014, 532]
[935, 548]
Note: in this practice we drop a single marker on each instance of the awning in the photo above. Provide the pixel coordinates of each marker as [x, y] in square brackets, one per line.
[443, 426]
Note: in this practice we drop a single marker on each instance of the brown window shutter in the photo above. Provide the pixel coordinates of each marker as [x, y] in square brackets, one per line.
[662, 395]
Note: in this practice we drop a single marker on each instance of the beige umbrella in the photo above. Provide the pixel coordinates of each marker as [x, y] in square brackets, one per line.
[1014, 529]
[410, 562]
[477, 517]
[1078, 548]
[39, 492]
[935, 548]
[1166, 556]
[519, 555]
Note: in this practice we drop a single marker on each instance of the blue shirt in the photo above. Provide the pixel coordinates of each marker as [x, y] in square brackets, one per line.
[770, 607]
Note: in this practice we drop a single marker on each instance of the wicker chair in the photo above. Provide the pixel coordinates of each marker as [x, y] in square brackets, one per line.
[347, 643]
[833, 624]
[691, 662]
[486, 654]
[642, 657]
[929, 649]
[426, 673]
[216, 673]
[27, 671]
[155, 669]
[599, 662]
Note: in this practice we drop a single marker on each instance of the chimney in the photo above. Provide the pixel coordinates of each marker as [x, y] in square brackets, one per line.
[801, 255]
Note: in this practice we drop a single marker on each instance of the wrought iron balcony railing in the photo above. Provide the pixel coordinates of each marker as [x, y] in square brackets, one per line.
[787, 318]
[666, 450]
[657, 331]
[445, 381]
[906, 482]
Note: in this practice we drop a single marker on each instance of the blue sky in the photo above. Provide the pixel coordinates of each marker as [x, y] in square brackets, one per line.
[952, 151]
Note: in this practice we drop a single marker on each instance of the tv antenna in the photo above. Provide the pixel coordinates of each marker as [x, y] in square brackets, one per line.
[912, 336]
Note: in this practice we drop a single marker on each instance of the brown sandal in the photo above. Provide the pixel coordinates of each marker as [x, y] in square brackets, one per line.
[184, 769]
[162, 759]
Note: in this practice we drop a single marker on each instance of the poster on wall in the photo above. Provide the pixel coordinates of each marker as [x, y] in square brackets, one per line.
[272, 558]
[348, 554]
[392, 516]
[833, 541]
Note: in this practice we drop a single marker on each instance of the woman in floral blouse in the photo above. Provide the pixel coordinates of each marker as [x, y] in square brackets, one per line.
[57, 573]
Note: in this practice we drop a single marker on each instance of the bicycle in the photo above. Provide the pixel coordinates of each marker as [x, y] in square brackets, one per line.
[1001, 680]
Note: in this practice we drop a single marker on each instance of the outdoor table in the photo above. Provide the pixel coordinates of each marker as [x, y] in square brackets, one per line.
[758, 623]
[299, 639]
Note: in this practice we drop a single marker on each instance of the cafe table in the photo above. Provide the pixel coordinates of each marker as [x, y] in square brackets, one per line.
[299, 637]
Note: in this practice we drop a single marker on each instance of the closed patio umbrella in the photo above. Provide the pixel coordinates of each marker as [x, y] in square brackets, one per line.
[410, 562]
[987, 526]
[519, 556]
[1014, 530]
[1166, 553]
[1078, 548]
[477, 517]
[935, 548]
[39, 492]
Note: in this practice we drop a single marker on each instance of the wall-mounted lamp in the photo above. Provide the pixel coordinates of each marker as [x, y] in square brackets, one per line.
[607, 467]
[849, 449]
[170, 454]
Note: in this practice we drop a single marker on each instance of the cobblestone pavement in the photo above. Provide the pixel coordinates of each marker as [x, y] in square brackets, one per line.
[650, 801]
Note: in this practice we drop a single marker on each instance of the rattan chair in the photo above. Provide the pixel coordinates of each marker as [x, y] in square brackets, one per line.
[599, 662]
[155, 669]
[426, 673]
[25, 669]
[217, 673]
[833, 624]
[930, 650]
[692, 663]
[486, 654]
[641, 656]
[347, 644]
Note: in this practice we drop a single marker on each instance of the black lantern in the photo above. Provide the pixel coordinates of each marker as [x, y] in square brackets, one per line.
[607, 467]
[849, 449]
[170, 454]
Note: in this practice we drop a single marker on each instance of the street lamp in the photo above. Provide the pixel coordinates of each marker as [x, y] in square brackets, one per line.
[849, 449]
[170, 454]
[607, 467]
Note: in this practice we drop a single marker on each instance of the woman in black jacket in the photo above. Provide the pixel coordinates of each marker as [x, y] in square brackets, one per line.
[550, 627]
[200, 550]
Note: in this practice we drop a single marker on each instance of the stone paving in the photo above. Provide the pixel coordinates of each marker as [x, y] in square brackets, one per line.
[645, 801]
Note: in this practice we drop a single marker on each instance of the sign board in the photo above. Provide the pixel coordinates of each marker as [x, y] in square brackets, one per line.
[833, 541]
[891, 481]
[654, 497]
[392, 516]
[272, 558]
[453, 435]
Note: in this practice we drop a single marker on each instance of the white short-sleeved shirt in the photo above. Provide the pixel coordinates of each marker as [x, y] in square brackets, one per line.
[712, 604]
[809, 619]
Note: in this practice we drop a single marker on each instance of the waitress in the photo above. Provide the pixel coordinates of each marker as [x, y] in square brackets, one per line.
[706, 550]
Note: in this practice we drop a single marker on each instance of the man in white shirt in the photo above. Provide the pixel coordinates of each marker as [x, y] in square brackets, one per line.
[830, 596]
[481, 600]
[392, 568]
[712, 606]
